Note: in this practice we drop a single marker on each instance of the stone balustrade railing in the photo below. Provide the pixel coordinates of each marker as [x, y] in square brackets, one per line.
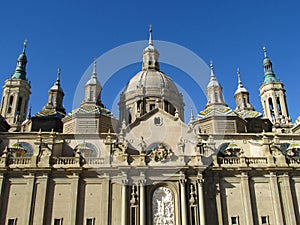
[294, 161]
[256, 161]
[65, 161]
[243, 161]
[90, 161]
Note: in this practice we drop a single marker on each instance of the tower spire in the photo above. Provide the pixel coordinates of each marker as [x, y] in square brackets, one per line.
[214, 89]
[240, 84]
[212, 72]
[20, 71]
[94, 74]
[265, 51]
[150, 54]
[24, 46]
[268, 69]
[150, 35]
[58, 76]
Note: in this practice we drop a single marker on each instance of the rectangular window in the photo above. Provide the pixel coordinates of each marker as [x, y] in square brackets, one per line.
[234, 220]
[90, 221]
[152, 106]
[58, 221]
[265, 220]
[12, 221]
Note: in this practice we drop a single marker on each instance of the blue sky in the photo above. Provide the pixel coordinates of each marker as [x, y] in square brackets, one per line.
[70, 34]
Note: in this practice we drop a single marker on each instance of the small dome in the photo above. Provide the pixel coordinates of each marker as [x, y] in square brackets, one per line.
[93, 81]
[152, 80]
[266, 61]
[56, 87]
[22, 57]
[213, 83]
[240, 90]
[150, 48]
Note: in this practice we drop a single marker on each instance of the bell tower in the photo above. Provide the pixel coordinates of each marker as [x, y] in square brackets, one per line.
[273, 96]
[16, 93]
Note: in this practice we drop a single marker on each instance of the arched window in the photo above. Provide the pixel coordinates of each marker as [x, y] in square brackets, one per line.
[19, 105]
[11, 100]
[87, 150]
[271, 107]
[163, 206]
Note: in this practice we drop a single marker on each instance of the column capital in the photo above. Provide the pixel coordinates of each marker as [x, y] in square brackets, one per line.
[142, 182]
[124, 181]
[182, 181]
[244, 175]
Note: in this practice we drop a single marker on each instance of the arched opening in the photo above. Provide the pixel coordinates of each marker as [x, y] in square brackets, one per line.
[271, 108]
[163, 206]
[87, 150]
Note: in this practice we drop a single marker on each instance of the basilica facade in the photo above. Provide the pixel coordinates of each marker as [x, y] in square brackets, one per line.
[148, 167]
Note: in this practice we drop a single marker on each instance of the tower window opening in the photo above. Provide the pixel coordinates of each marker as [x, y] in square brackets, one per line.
[129, 115]
[245, 101]
[53, 99]
[11, 100]
[91, 95]
[19, 105]
[216, 97]
[166, 106]
[271, 107]
[152, 106]
[240, 103]
[150, 61]
[279, 106]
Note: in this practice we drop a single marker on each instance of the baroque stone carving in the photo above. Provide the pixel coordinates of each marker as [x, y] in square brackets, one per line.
[163, 207]
[160, 153]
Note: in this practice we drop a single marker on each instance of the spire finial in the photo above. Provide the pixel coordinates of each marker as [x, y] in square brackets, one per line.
[58, 74]
[94, 74]
[212, 74]
[24, 45]
[150, 35]
[265, 51]
[239, 75]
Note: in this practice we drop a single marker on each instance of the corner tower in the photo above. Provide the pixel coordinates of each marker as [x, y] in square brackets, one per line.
[16, 93]
[214, 90]
[273, 96]
[241, 96]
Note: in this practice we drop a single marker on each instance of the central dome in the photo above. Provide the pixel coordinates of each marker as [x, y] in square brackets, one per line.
[152, 81]
[150, 89]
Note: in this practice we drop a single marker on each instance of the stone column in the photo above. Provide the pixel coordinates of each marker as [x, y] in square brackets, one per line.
[74, 191]
[183, 202]
[124, 203]
[288, 200]
[30, 193]
[245, 189]
[201, 200]
[218, 198]
[276, 199]
[2, 180]
[40, 201]
[142, 202]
